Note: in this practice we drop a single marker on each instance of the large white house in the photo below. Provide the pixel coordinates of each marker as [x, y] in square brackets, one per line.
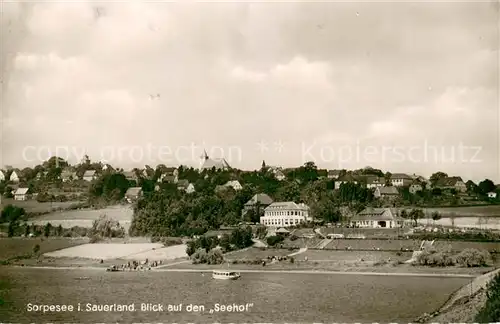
[285, 214]
[378, 218]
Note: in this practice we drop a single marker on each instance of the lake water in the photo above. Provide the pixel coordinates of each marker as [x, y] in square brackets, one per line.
[275, 297]
[469, 222]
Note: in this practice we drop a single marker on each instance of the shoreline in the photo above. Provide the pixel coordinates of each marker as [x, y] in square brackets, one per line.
[463, 299]
[324, 272]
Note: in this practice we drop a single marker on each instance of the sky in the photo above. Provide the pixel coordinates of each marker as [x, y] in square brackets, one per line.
[404, 87]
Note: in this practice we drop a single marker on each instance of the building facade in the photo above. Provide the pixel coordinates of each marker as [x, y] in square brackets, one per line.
[285, 214]
[374, 182]
[22, 194]
[378, 218]
[401, 180]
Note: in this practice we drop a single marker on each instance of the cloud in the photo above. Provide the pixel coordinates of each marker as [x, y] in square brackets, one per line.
[231, 74]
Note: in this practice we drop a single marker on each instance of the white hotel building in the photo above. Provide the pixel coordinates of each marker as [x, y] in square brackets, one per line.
[285, 214]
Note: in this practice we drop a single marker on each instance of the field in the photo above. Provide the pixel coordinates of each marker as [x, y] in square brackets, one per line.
[12, 247]
[256, 253]
[408, 244]
[85, 217]
[390, 245]
[166, 253]
[301, 242]
[33, 206]
[105, 251]
[351, 256]
[367, 232]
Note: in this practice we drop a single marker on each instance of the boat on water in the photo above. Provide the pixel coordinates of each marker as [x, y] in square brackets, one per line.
[225, 275]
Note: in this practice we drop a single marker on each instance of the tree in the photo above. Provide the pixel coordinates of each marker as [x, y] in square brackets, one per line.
[435, 216]
[11, 213]
[11, 230]
[416, 214]
[486, 186]
[490, 313]
[437, 176]
[27, 230]
[59, 230]
[452, 219]
[47, 229]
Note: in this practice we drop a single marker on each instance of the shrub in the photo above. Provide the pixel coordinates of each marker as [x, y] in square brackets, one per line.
[473, 258]
[199, 256]
[292, 260]
[293, 237]
[169, 241]
[36, 248]
[441, 259]
[273, 240]
[215, 256]
[95, 238]
[435, 259]
[107, 227]
[490, 313]
[166, 241]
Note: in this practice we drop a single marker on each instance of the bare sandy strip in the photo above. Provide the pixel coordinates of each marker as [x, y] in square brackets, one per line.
[359, 273]
[105, 251]
[166, 253]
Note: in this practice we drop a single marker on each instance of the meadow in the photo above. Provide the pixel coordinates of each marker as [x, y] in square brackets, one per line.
[33, 206]
[14, 247]
[105, 251]
[257, 253]
[85, 217]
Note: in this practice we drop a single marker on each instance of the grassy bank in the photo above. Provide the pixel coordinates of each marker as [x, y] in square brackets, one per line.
[33, 207]
[490, 312]
[14, 249]
[389, 244]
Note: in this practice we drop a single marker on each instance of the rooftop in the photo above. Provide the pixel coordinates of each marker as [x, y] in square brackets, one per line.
[260, 198]
[134, 191]
[288, 205]
[21, 191]
[377, 214]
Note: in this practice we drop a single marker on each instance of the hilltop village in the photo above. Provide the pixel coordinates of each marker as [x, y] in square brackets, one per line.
[177, 201]
[277, 218]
